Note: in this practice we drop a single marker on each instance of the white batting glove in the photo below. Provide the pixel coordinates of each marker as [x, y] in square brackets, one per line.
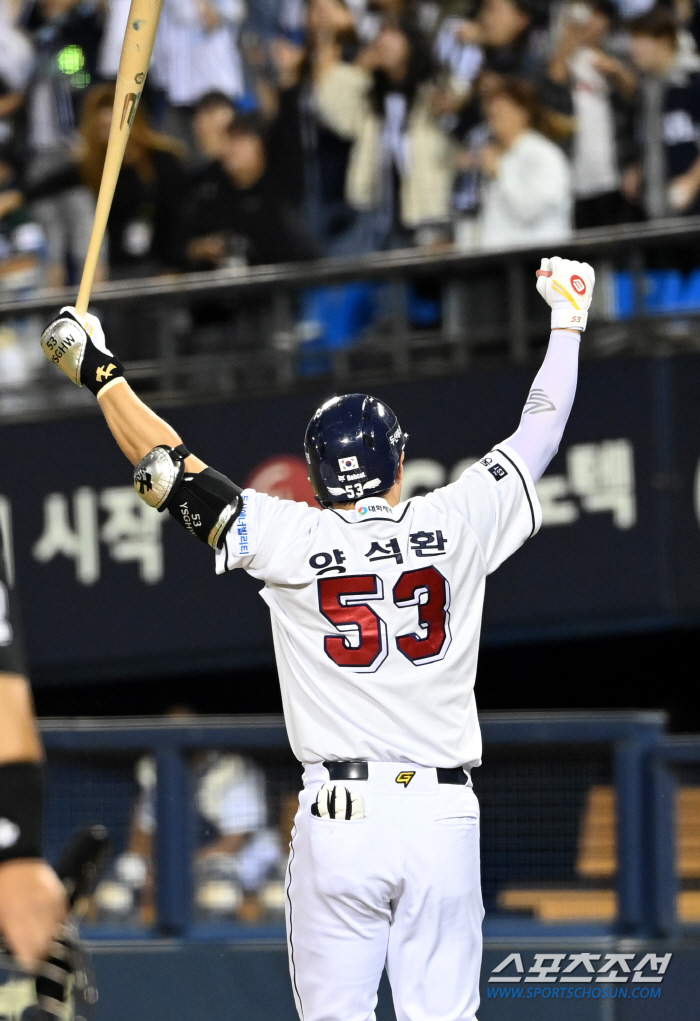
[92, 326]
[336, 802]
[567, 286]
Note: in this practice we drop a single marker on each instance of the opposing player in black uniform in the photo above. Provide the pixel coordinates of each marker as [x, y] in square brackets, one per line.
[32, 899]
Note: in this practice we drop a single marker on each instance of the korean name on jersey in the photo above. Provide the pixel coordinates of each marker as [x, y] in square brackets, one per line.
[376, 612]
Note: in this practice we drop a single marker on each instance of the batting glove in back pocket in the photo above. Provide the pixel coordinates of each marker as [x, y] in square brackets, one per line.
[335, 802]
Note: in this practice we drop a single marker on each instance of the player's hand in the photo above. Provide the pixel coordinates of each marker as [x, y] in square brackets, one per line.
[567, 286]
[32, 906]
[77, 345]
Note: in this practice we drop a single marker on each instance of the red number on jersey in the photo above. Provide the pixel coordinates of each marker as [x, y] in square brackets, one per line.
[362, 643]
[428, 590]
[343, 601]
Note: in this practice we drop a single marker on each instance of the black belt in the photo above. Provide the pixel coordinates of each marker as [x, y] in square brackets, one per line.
[360, 771]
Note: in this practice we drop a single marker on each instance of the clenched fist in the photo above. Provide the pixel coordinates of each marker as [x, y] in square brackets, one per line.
[567, 286]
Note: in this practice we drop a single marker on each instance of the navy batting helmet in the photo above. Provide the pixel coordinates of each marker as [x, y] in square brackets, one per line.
[353, 446]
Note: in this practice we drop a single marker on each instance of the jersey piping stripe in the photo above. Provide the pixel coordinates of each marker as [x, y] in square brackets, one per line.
[527, 491]
[363, 520]
[291, 928]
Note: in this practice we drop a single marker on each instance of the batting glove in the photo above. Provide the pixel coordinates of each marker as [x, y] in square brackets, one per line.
[77, 345]
[336, 802]
[566, 286]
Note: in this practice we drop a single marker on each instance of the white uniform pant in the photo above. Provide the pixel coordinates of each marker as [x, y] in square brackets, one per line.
[400, 887]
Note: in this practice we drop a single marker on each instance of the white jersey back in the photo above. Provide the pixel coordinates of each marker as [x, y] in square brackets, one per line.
[376, 612]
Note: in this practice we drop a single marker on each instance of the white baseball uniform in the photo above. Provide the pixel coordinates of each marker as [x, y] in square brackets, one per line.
[376, 615]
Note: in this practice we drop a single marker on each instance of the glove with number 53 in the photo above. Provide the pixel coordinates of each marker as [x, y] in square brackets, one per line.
[566, 286]
[77, 345]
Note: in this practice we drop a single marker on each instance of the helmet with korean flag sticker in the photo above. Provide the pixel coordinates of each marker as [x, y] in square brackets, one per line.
[353, 448]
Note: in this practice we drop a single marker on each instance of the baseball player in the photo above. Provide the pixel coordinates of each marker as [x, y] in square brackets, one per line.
[376, 611]
[32, 899]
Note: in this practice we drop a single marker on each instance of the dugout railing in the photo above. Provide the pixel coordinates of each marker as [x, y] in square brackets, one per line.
[537, 769]
[675, 791]
[389, 315]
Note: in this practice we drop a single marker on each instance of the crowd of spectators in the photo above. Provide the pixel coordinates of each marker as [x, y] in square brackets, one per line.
[283, 130]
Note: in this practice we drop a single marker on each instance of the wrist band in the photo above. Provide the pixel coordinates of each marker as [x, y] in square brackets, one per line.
[21, 810]
[569, 319]
[98, 369]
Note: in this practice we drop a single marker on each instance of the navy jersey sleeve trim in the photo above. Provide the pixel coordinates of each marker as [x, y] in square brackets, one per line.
[525, 487]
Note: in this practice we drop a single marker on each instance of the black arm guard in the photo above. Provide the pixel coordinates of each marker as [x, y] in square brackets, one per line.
[206, 503]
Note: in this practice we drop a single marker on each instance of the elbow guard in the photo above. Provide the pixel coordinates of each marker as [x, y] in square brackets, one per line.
[206, 503]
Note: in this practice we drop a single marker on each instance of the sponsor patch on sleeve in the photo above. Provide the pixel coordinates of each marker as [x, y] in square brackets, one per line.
[498, 472]
[240, 541]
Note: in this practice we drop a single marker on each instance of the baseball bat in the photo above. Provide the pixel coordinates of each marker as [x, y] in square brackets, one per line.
[136, 53]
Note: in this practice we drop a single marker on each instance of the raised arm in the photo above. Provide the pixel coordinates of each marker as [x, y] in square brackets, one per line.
[548, 404]
[136, 428]
[166, 476]
[568, 287]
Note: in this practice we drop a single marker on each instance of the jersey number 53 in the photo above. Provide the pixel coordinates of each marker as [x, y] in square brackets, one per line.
[362, 644]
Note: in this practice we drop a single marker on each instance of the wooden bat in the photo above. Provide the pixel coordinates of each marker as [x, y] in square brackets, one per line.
[139, 38]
